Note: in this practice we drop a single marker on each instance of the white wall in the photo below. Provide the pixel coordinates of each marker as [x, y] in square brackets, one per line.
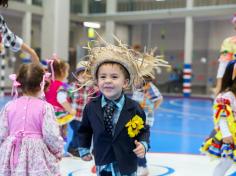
[208, 36]
[218, 31]
[78, 36]
[14, 23]
[36, 34]
[136, 35]
[122, 33]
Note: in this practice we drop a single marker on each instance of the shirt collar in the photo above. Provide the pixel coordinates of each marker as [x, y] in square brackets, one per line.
[119, 103]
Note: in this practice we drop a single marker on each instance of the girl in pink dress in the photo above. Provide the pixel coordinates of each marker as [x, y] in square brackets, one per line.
[57, 93]
[30, 141]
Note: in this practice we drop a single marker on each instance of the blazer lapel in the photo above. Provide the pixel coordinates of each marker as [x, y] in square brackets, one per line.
[125, 116]
[98, 109]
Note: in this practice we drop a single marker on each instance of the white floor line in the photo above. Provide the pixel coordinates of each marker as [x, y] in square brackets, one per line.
[159, 164]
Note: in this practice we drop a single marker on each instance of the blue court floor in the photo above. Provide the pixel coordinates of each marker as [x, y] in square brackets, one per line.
[180, 127]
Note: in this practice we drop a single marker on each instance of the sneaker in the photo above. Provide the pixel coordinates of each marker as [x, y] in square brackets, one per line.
[142, 171]
[74, 152]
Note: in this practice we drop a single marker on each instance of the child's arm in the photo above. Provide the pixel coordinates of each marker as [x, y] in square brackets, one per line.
[140, 150]
[51, 132]
[14, 42]
[155, 95]
[3, 125]
[31, 51]
[142, 142]
[158, 102]
[85, 136]
[62, 99]
[224, 116]
[67, 106]
[85, 154]
[226, 135]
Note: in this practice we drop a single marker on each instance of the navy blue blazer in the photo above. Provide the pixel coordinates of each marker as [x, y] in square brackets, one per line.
[119, 147]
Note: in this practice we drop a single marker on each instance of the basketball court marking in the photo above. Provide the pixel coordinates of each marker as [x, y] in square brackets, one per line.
[160, 164]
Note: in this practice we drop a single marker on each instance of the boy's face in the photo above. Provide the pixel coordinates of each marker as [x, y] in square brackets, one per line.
[111, 81]
[138, 84]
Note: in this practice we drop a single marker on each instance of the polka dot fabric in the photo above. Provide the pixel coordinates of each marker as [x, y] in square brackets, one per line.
[109, 110]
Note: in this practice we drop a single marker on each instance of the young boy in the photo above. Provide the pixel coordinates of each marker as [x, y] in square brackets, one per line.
[116, 122]
[149, 98]
[82, 93]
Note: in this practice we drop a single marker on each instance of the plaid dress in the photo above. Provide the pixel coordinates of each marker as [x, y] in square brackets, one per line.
[147, 98]
[8, 38]
[81, 97]
[78, 100]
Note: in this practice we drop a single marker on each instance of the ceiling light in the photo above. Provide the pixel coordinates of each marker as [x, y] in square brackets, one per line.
[92, 24]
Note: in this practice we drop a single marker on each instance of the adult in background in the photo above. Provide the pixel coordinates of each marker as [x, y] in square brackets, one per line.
[12, 41]
[227, 53]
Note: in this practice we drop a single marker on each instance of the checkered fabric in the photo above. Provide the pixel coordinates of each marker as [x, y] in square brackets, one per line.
[81, 97]
[9, 39]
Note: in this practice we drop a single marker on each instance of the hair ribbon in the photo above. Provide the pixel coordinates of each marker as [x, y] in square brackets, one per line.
[50, 61]
[14, 85]
[42, 84]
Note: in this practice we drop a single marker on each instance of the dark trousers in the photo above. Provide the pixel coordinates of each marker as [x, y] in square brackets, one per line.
[74, 144]
[142, 162]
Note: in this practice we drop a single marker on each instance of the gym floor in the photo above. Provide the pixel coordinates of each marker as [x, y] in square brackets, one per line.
[180, 127]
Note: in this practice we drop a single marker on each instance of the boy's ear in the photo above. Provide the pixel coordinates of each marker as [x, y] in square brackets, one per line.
[126, 83]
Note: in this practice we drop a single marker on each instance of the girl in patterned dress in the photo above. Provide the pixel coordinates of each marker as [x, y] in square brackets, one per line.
[57, 93]
[222, 141]
[30, 141]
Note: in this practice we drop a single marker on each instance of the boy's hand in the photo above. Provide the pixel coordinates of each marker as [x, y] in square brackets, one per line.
[228, 140]
[73, 112]
[139, 150]
[87, 157]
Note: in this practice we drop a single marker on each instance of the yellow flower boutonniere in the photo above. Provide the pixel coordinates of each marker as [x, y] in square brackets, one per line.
[134, 126]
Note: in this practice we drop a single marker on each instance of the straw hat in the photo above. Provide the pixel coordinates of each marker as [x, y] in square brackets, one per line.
[149, 63]
[137, 64]
[116, 54]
